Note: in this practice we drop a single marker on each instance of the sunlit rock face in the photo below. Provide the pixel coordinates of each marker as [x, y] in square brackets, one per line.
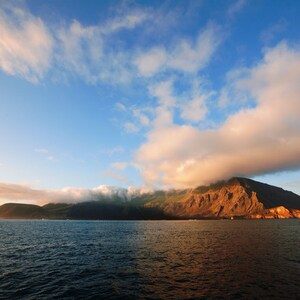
[236, 198]
[279, 212]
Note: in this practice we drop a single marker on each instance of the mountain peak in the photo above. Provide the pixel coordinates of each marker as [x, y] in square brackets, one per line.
[237, 197]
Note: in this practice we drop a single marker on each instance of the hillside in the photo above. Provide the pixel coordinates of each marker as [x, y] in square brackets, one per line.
[235, 198]
[21, 211]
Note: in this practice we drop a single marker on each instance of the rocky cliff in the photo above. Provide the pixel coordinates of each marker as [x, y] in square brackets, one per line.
[235, 198]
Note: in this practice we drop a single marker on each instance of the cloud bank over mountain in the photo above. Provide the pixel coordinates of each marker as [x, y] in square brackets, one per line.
[20, 193]
[256, 140]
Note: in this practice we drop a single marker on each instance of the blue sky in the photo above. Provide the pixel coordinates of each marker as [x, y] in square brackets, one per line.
[149, 93]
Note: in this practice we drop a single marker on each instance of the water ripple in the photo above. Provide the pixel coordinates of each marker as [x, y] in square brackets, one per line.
[149, 260]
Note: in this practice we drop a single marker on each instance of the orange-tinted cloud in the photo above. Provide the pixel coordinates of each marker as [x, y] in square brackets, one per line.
[252, 141]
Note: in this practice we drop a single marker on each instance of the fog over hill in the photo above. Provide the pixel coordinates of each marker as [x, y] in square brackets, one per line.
[235, 198]
[25, 194]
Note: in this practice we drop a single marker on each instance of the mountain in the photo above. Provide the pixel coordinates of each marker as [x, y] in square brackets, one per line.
[235, 198]
[21, 211]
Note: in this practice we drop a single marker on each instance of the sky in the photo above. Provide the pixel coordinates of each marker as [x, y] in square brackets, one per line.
[146, 95]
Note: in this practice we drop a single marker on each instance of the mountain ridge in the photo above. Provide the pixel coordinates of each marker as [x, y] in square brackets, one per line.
[237, 197]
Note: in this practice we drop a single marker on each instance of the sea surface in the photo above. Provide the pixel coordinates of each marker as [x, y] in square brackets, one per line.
[230, 259]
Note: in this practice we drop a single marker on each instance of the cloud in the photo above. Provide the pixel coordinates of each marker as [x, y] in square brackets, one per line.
[119, 165]
[271, 32]
[95, 53]
[24, 193]
[236, 7]
[141, 116]
[120, 107]
[81, 50]
[152, 61]
[130, 127]
[191, 105]
[183, 56]
[252, 141]
[195, 109]
[29, 47]
[26, 46]
[125, 21]
[45, 152]
[88, 51]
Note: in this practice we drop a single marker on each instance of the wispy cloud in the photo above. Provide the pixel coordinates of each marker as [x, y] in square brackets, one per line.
[86, 51]
[130, 127]
[236, 7]
[119, 165]
[26, 46]
[120, 107]
[29, 47]
[129, 20]
[45, 153]
[184, 56]
[268, 34]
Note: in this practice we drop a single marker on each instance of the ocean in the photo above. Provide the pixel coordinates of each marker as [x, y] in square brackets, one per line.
[205, 259]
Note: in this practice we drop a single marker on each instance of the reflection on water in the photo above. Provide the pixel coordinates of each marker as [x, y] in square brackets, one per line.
[150, 260]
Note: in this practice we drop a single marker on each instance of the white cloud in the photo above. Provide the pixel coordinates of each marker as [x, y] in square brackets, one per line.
[192, 58]
[125, 21]
[24, 193]
[130, 127]
[193, 106]
[253, 141]
[195, 109]
[26, 45]
[86, 51]
[28, 48]
[185, 56]
[81, 50]
[152, 61]
[163, 91]
[141, 116]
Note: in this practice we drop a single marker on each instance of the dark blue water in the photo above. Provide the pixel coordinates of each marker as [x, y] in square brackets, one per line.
[150, 259]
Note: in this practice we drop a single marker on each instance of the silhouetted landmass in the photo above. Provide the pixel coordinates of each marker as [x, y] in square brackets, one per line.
[235, 198]
[22, 211]
[95, 210]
